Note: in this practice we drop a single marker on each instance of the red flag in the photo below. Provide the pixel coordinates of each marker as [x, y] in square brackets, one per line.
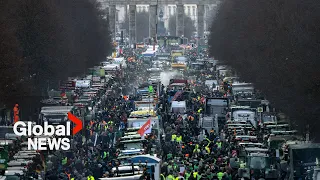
[178, 94]
[144, 128]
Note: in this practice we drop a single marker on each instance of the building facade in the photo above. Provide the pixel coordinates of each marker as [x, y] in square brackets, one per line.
[169, 10]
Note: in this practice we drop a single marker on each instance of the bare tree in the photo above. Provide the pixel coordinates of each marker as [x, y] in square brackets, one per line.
[43, 42]
[275, 45]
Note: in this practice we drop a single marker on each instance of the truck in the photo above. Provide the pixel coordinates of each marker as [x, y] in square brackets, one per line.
[217, 106]
[303, 160]
[178, 107]
[258, 166]
[176, 53]
[55, 114]
[244, 114]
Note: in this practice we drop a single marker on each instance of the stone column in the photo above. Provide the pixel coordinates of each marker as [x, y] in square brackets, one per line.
[180, 20]
[132, 24]
[152, 20]
[125, 11]
[112, 20]
[200, 26]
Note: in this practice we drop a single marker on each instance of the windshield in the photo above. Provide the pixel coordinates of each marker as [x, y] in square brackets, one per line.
[252, 104]
[55, 117]
[257, 162]
[197, 66]
[144, 106]
[12, 177]
[178, 110]
[268, 119]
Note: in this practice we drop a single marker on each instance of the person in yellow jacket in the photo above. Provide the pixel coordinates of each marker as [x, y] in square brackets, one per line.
[187, 175]
[64, 161]
[220, 175]
[196, 175]
[196, 148]
[90, 177]
[170, 177]
[179, 139]
[162, 177]
[219, 144]
[173, 137]
[207, 148]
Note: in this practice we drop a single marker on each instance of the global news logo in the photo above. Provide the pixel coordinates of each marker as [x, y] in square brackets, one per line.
[49, 136]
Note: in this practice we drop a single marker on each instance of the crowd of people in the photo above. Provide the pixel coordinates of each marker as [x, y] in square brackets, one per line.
[187, 151]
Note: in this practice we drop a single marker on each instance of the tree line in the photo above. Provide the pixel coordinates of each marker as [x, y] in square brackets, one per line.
[43, 42]
[275, 45]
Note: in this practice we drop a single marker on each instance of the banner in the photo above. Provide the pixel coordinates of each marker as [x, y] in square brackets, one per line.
[178, 94]
[144, 128]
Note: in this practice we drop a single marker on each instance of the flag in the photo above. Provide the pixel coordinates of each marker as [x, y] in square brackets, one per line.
[203, 100]
[178, 94]
[150, 89]
[144, 128]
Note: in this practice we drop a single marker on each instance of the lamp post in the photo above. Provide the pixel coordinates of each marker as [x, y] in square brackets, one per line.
[156, 38]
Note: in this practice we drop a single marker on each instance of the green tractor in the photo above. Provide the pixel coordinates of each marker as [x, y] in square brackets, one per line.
[4, 158]
[257, 167]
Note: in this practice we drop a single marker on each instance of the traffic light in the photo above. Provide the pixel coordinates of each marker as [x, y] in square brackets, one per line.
[181, 41]
[150, 41]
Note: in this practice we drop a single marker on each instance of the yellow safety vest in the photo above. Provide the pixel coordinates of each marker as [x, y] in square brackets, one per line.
[72, 179]
[219, 144]
[187, 175]
[90, 178]
[207, 149]
[195, 174]
[196, 148]
[170, 177]
[173, 137]
[64, 161]
[220, 175]
[179, 138]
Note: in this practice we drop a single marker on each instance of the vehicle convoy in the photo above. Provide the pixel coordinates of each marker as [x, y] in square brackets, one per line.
[165, 111]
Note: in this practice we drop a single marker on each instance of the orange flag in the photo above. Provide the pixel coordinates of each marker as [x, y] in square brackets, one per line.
[144, 128]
